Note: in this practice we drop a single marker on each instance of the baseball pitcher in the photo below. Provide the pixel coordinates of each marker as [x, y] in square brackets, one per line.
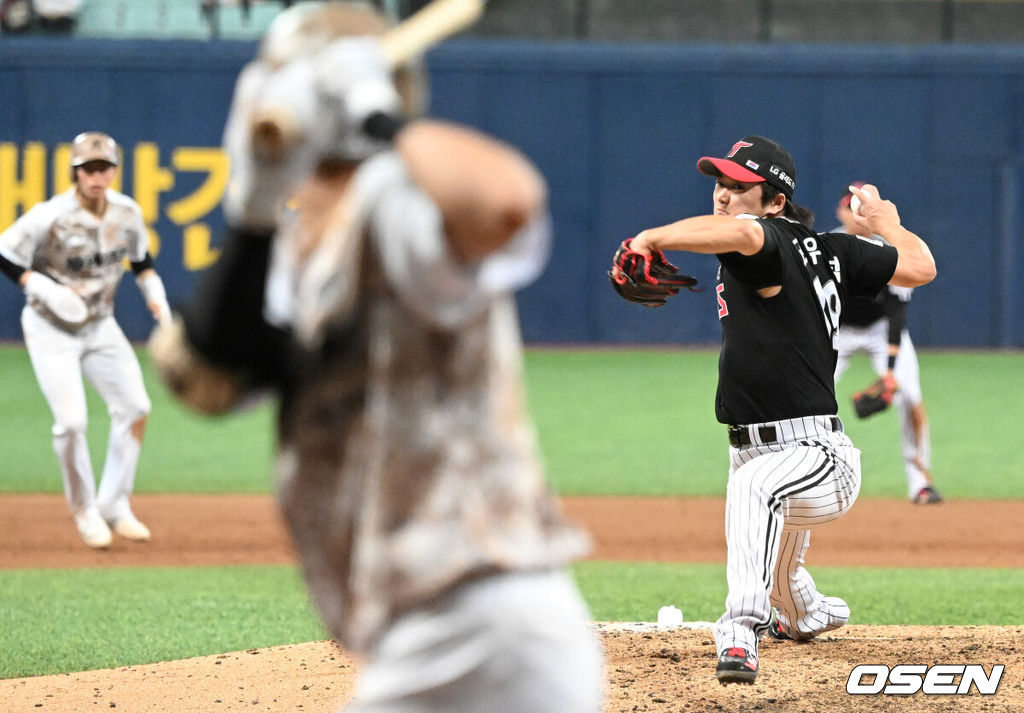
[780, 291]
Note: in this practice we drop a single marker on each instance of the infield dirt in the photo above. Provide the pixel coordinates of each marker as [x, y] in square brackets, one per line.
[649, 668]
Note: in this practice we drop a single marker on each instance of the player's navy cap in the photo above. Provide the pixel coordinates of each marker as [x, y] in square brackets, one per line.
[755, 159]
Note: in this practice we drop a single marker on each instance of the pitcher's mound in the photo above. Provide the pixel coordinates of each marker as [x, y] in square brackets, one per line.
[648, 668]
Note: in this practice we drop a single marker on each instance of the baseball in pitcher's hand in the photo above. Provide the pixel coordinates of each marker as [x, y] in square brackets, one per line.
[874, 212]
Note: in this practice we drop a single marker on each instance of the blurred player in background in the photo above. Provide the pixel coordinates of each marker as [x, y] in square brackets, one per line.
[378, 307]
[877, 327]
[68, 255]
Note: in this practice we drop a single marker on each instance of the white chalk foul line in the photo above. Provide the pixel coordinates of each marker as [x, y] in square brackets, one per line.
[647, 626]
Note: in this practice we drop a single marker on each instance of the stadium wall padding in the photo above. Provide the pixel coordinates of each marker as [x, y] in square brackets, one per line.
[615, 128]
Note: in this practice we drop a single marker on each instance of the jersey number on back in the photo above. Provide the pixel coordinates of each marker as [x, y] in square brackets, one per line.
[828, 300]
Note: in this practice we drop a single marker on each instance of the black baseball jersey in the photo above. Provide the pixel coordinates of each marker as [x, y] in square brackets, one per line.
[888, 303]
[778, 354]
[865, 311]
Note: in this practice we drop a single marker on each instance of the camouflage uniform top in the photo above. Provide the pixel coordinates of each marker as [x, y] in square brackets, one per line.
[407, 461]
[66, 242]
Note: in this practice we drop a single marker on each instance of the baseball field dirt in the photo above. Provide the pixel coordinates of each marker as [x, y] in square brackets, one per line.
[649, 668]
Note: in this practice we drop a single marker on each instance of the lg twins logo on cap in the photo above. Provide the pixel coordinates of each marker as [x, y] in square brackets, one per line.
[737, 146]
[782, 176]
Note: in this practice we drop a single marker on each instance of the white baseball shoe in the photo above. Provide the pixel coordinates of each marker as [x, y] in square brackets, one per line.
[838, 613]
[130, 528]
[93, 529]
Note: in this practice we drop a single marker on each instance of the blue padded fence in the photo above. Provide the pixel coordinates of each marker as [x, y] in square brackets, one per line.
[616, 129]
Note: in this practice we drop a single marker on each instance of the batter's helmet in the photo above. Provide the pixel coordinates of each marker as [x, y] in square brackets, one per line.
[93, 146]
[308, 27]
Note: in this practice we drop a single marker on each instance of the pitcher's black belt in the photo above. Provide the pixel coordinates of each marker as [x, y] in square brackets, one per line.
[739, 436]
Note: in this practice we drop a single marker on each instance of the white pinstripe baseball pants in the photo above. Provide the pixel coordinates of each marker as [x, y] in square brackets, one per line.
[779, 490]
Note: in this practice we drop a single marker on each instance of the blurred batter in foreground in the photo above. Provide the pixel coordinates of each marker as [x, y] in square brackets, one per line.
[378, 307]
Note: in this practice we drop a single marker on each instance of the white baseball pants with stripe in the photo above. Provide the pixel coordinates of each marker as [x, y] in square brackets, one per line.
[779, 490]
[100, 352]
[873, 341]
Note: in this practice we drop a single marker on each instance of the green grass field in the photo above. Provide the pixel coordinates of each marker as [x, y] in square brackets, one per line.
[602, 431]
[51, 620]
[609, 422]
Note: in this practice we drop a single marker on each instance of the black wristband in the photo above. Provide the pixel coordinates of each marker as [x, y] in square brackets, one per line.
[144, 264]
[11, 270]
[892, 362]
[385, 127]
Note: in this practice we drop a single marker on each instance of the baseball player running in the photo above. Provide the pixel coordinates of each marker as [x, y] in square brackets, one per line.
[876, 326]
[781, 291]
[68, 255]
[380, 310]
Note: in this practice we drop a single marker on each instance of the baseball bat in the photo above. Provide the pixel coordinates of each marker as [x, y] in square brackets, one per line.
[431, 24]
[274, 130]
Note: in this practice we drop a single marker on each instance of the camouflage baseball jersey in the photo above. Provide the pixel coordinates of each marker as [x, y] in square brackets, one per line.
[66, 242]
[407, 460]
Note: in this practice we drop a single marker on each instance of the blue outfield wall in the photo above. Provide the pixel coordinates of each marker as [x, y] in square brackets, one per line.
[616, 129]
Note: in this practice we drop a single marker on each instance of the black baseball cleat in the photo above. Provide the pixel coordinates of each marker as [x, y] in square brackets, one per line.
[776, 630]
[736, 665]
[927, 495]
